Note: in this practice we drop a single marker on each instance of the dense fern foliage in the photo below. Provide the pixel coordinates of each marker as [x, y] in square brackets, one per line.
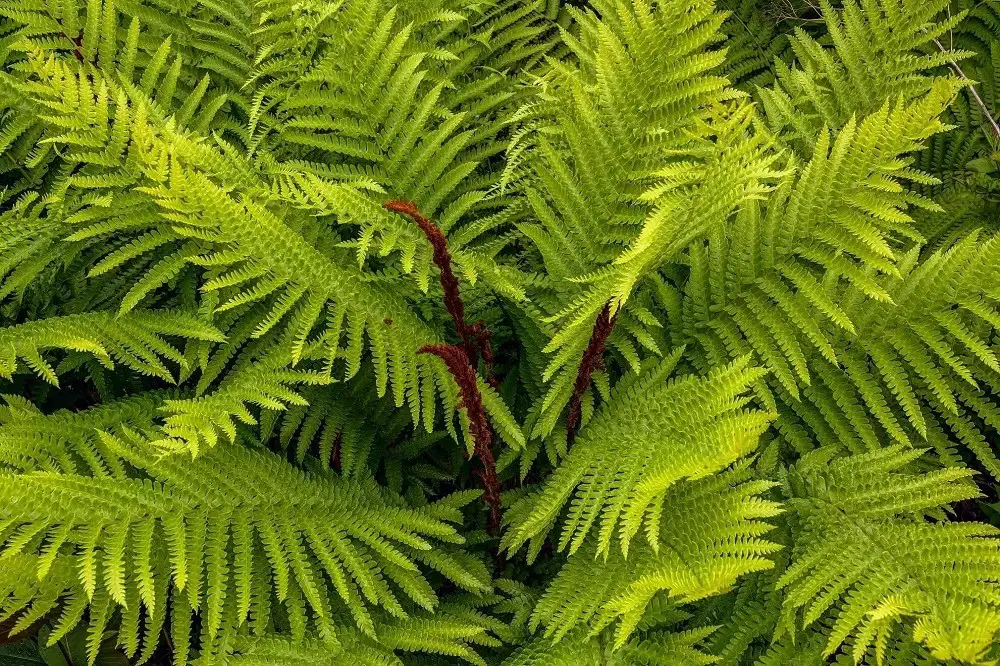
[502, 332]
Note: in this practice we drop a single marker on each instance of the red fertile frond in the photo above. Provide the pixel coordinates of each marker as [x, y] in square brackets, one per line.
[471, 400]
[475, 337]
[592, 361]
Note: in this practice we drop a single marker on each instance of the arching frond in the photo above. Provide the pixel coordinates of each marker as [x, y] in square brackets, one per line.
[872, 551]
[618, 474]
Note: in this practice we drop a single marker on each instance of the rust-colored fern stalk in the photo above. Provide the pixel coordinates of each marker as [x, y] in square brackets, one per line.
[592, 361]
[462, 359]
[471, 400]
[475, 337]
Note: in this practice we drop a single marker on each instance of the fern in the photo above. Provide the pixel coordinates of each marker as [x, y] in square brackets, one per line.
[505, 332]
[877, 562]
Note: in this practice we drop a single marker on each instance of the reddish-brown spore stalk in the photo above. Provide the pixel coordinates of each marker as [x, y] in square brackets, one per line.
[471, 400]
[592, 361]
[475, 337]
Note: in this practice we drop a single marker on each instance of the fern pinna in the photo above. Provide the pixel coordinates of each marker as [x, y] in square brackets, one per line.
[502, 332]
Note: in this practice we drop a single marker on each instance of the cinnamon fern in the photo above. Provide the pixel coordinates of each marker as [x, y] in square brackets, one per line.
[500, 332]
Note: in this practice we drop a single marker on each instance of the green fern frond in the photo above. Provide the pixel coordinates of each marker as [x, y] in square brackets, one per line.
[135, 340]
[715, 280]
[651, 434]
[871, 549]
[657, 648]
[687, 562]
[129, 535]
[876, 50]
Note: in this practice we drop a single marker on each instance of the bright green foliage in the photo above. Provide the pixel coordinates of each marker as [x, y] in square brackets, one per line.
[687, 562]
[656, 648]
[651, 434]
[729, 269]
[867, 547]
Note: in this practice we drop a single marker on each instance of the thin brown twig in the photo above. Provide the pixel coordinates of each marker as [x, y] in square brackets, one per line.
[972, 89]
[793, 13]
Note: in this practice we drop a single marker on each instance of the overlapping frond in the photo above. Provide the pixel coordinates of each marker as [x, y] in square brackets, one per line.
[805, 280]
[838, 219]
[226, 531]
[293, 271]
[635, 151]
[656, 649]
[872, 551]
[652, 434]
[266, 650]
[69, 442]
[755, 37]
[135, 340]
[876, 50]
[717, 312]
[446, 632]
[710, 535]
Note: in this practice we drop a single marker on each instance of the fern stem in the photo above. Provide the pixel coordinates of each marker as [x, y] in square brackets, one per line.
[475, 337]
[593, 360]
[471, 400]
